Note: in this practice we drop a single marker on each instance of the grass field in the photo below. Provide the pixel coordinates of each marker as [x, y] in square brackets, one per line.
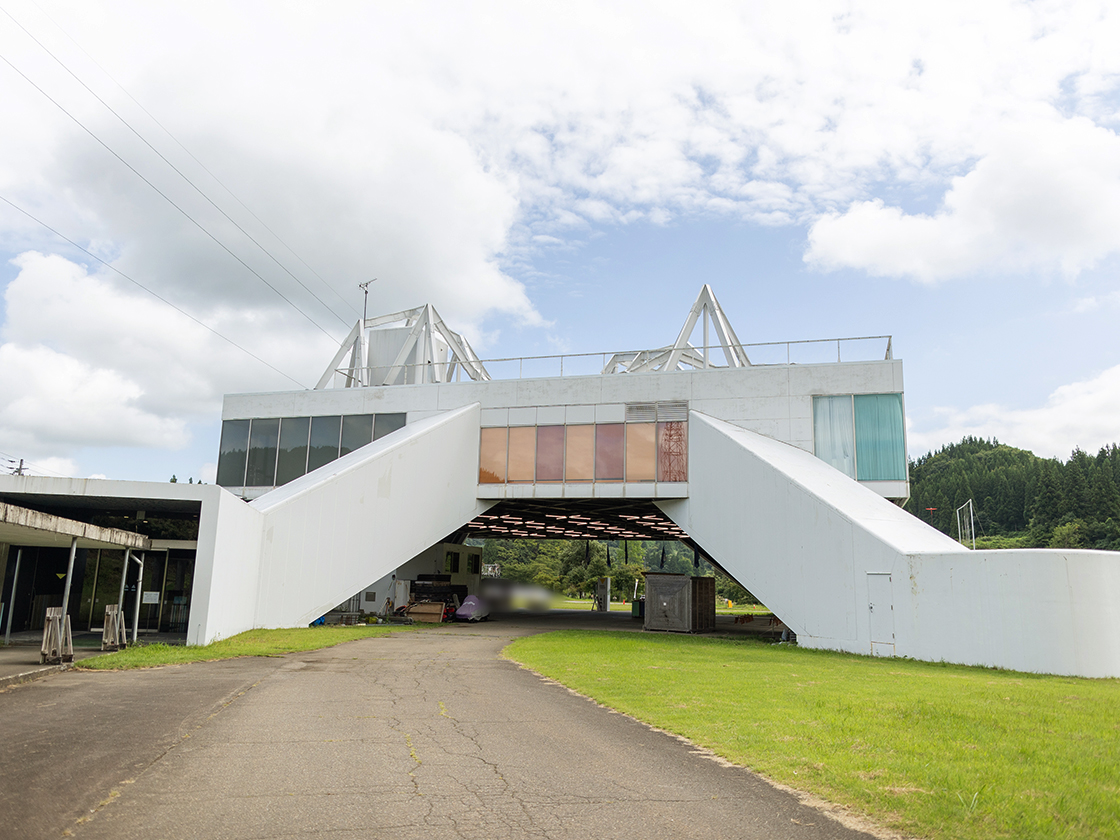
[249, 643]
[562, 603]
[933, 750]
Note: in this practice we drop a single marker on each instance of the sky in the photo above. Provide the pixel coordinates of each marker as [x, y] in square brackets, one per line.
[190, 194]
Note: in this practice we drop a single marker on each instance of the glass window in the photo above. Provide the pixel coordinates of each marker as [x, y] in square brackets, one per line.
[291, 460]
[492, 456]
[231, 453]
[579, 453]
[833, 435]
[610, 451]
[550, 453]
[451, 563]
[672, 451]
[641, 452]
[522, 453]
[880, 443]
[263, 436]
[384, 424]
[325, 435]
[357, 431]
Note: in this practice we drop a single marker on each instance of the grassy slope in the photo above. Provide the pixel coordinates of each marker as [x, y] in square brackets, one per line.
[249, 643]
[934, 750]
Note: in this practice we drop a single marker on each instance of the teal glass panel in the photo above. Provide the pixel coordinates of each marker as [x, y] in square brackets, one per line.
[384, 424]
[263, 437]
[231, 453]
[325, 434]
[880, 440]
[357, 431]
[291, 460]
[833, 434]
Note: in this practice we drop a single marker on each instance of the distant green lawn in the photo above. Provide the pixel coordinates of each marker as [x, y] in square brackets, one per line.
[249, 643]
[933, 750]
[562, 603]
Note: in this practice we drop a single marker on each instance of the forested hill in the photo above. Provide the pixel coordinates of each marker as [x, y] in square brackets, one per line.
[1019, 498]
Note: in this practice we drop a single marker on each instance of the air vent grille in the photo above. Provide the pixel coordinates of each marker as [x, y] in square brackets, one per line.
[664, 412]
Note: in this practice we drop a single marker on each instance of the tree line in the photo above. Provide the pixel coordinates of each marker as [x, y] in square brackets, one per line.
[1020, 500]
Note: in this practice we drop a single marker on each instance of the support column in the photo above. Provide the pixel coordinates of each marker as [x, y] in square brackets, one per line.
[139, 594]
[12, 598]
[69, 575]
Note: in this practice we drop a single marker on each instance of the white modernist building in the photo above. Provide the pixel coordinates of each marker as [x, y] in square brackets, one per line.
[780, 463]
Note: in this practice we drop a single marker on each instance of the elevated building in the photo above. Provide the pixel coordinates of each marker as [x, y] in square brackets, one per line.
[779, 463]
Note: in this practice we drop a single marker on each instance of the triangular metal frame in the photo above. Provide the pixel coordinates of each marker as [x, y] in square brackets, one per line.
[425, 324]
[682, 355]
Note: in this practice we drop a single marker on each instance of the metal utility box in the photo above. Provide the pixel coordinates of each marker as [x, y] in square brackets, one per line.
[680, 603]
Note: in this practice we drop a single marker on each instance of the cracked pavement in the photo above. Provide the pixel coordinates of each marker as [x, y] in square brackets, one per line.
[413, 735]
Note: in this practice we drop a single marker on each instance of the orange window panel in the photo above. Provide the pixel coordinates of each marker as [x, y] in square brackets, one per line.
[522, 453]
[492, 456]
[579, 455]
[641, 451]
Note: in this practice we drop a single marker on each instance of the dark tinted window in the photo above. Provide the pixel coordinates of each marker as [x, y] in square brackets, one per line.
[325, 433]
[383, 424]
[357, 431]
[231, 453]
[291, 460]
[263, 437]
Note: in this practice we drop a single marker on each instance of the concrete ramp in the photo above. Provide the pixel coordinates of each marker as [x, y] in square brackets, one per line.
[793, 530]
[848, 570]
[334, 531]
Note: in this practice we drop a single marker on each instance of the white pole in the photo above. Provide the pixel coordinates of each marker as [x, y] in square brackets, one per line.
[12, 599]
[69, 574]
[120, 597]
[139, 592]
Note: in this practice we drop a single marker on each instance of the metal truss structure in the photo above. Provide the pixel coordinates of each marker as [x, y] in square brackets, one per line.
[417, 361]
[682, 355]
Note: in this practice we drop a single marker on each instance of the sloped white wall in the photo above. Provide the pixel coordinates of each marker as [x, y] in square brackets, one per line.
[226, 569]
[803, 538]
[330, 533]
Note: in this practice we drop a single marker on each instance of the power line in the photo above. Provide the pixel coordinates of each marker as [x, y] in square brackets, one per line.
[177, 171]
[23, 465]
[192, 156]
[168, 199]
[158, 297]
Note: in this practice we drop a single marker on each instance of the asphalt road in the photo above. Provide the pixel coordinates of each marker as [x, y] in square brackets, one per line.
[417, 735]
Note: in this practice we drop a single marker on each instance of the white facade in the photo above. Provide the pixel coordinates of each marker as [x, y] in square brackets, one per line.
[838, 563]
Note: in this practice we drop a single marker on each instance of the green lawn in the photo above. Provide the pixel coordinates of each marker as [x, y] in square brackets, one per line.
[249, 643]
[934, 750]
[561, 602]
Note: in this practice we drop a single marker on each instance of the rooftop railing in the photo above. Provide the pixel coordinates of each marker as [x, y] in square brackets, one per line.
[771, 353]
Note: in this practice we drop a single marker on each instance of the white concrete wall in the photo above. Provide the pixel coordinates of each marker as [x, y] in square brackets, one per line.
[331, 532]
[773, 400]
[226, 568]
[803, 538]
[1053, 611]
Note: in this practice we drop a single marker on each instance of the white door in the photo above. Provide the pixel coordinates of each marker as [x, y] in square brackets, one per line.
[881, 611]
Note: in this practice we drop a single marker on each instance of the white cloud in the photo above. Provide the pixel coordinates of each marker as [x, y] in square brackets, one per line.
[436, 146]
[1047, 197]
[1082, 414]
